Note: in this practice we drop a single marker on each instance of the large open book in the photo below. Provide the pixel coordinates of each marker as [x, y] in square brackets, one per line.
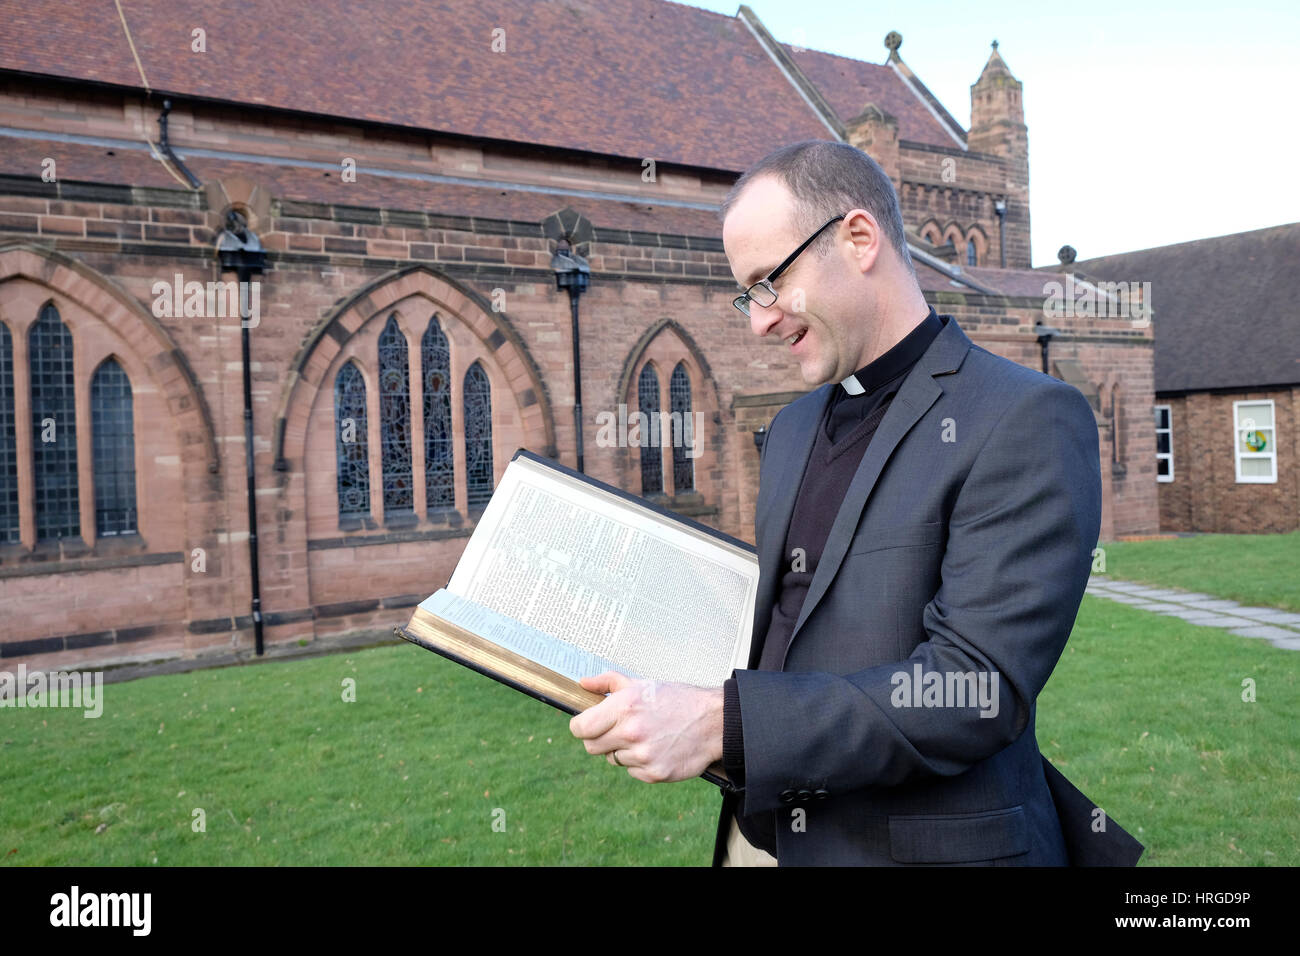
[566, 576]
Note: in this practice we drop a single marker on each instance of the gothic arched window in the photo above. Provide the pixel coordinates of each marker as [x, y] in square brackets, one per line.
[395, 419]
[971, 252]
[439, 466]
[112, 435]
[679, 393]
[8, 443]
[350, 442]
[652, 459]
[54, 427]
[478, 435]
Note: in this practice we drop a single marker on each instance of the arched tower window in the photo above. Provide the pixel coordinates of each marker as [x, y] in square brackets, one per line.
[54, 427]
[113, 441]
[395, 420]
[439, 467]
[679, 393]
[8, 443]
[351, 442]
[652, 468]
[478, 436]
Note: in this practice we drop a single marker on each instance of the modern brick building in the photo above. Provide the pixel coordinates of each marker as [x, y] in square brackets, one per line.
[1227, 377]
[410, 176]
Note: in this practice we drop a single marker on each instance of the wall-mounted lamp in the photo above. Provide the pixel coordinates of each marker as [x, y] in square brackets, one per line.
[1000, 207]
[1045, 335]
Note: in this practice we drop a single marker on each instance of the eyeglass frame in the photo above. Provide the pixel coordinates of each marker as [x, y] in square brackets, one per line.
[766, 281]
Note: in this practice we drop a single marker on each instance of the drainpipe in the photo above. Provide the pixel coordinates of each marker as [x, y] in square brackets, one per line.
[573, 275]
[166, 147]
[240, 251]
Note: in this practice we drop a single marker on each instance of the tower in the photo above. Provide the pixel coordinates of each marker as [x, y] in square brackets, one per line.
[998, 129]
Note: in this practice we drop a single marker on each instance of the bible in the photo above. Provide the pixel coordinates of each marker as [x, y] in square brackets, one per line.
[566, 576]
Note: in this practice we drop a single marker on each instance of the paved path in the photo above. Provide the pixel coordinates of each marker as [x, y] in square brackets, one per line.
[1280, 628]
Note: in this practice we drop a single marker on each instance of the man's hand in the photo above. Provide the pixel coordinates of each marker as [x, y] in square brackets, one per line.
[661, 732]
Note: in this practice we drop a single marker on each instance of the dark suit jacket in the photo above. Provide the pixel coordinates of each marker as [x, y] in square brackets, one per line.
[963, 545]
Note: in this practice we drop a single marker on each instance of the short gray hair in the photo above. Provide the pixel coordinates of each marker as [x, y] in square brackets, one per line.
[828, 179]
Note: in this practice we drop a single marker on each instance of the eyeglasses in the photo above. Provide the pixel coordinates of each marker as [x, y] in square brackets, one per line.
[762, 291]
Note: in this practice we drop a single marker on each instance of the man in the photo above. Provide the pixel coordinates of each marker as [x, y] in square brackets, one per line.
[924, 523]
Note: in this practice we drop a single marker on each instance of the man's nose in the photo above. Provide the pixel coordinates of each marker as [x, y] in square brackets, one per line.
[764, 318]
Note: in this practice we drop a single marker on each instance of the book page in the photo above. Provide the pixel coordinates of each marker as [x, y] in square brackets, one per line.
[525, 641]
[616, 581]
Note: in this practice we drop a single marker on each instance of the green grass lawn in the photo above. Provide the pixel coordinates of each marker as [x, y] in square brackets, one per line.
[288, 773]
[1143, 714]
[1255, 570]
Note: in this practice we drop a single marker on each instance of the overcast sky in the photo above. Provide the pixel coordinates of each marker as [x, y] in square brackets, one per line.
[1150, 122]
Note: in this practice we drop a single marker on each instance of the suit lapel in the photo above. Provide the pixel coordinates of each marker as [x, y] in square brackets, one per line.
[778, 494]
[918, 392]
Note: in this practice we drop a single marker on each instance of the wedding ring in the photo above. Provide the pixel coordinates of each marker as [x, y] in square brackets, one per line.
[614, 754]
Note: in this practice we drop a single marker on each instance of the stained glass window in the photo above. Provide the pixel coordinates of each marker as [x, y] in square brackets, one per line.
[478, 435]
[8, 443]
[652, 468]
[112, 435]
[395, 419]
[350, 442]
[439, 469]
[54, 427]
[679, 393]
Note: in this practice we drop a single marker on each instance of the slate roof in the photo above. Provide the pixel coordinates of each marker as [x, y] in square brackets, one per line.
[849, 85]
[632, 78]
[1226, 310]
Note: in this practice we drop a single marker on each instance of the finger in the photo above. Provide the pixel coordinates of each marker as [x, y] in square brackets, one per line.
[608, 742]
[595, 721]
[606, 683]
[641, 774]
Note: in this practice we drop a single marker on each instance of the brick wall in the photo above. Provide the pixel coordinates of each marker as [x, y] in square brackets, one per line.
[338, 270]
[1205, 494]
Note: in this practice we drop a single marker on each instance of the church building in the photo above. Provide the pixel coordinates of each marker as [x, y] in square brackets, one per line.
[313, 260]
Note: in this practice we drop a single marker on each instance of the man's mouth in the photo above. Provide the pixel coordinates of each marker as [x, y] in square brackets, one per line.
[796, 338]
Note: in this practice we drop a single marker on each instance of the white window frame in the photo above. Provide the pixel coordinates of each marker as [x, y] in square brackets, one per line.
[1239, 455]
[1167, 455]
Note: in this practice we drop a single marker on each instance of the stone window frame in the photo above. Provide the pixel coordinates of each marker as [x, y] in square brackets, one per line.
[90, 350]
[645, 461]
[412, 318]
[664, 361]
[682, 463]
[976, 240]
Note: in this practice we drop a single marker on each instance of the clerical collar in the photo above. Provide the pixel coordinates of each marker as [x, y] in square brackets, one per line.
[902, 356]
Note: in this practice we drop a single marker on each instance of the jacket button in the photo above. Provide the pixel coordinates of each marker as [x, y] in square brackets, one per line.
[786, 796]
[805, 796]
[821, 794]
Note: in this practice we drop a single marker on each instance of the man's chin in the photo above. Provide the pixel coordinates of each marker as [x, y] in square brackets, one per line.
[814, 377]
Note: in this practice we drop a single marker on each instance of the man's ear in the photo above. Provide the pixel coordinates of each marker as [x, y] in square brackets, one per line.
[866, 237]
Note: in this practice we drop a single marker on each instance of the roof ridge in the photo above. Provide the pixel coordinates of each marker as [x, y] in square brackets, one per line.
[808, 91]
[1191, 242]
[928, 99]
[841, 56]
